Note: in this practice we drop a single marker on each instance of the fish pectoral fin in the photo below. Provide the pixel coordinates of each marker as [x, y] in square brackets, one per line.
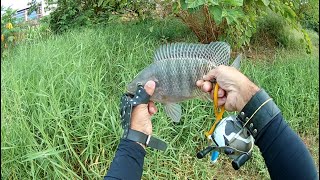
[173, 111]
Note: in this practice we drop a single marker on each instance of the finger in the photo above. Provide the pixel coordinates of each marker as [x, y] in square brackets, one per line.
[207, 86]
[221, 93]
[199, 83]
[222, 101]
[149, 87]
[214, 73]
[211, 75]
[152, 108]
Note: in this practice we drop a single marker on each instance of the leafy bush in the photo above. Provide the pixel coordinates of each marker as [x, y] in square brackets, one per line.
[234, 21]
[14, 32]
[8, 28]
[70, 13]
[272, 30]
[307, 13]
[314, 36]
[36, 33]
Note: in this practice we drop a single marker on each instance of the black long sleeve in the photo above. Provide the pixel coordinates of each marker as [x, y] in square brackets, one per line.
[285, 154]
[128, 161]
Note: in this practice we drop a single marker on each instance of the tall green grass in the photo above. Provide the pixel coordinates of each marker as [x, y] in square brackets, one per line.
[60, 102]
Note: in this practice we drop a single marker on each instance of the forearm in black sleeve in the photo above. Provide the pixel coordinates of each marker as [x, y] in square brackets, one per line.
[285, 154]
[128, 161]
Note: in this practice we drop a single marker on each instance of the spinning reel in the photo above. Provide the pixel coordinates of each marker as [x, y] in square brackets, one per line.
[231, 138]
[228, 136]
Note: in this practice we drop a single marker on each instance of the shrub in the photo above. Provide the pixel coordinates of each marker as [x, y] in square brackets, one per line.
[308, 13]
[70, 13]
[13, 31]
[274, 31]
[233, 21]
[9, 29]
[314, 36]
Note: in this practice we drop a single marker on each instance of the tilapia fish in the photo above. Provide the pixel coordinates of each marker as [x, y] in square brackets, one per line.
[176, 69]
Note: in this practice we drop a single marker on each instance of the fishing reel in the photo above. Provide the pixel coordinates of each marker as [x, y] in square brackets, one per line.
[231, 138]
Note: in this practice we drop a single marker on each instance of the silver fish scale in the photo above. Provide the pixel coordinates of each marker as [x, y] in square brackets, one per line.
[176, 68]
[179, 66]
[177, 79]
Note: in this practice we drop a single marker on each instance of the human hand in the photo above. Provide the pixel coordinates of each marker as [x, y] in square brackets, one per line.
[141, 114]
[235, 89]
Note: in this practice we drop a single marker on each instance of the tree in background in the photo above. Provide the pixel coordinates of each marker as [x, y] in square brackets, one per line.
[307, 12]
[234, 21]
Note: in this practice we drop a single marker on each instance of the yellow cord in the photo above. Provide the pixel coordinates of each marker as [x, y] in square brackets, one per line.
[217, 111]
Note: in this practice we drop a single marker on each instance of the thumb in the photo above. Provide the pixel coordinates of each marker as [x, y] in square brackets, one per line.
[150, 87]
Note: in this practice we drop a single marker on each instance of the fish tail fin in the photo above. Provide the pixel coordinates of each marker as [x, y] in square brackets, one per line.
[173, 111]
[237, 62]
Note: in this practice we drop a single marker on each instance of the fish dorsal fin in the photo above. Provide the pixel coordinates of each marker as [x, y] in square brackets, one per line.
[237, 62]
[216, 52]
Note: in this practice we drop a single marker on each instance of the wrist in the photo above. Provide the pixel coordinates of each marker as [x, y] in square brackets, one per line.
[248, 89]
[145, 140]
[142, 128]
[145, 129]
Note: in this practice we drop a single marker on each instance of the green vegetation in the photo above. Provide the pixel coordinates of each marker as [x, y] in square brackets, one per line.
[234, 21]
[237, 22]
[60, 100]
[275, 32]
[73, 14]
[16, 31]
[308, 13]
[8, 38]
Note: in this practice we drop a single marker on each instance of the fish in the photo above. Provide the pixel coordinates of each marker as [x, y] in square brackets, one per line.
[176, 68]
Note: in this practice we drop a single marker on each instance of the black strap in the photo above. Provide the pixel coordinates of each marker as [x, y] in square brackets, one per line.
[262, 117]
[147, 140]
[128, 101]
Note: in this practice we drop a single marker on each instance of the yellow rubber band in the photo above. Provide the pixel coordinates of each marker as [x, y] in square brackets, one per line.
[217, 111]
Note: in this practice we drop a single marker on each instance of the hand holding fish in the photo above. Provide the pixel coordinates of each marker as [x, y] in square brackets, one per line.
[141, 114]
[235, 88]
[176, 69]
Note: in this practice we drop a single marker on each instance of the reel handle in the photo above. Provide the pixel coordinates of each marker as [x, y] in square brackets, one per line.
[240, 160]
[204, 152]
